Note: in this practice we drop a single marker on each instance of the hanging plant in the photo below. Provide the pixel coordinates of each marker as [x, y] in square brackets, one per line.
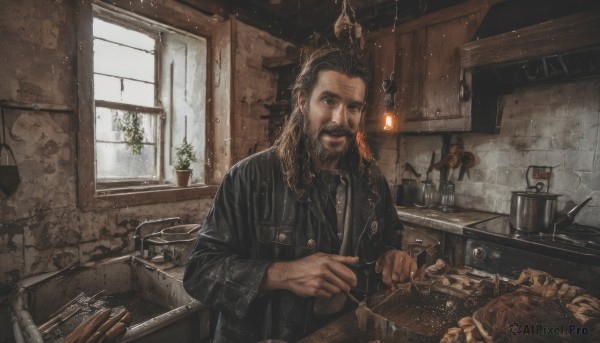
[131, 126]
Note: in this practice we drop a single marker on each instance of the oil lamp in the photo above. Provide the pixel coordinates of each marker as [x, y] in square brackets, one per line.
[389, 88]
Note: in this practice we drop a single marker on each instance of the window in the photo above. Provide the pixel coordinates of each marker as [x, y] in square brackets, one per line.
[148, 92]
[127, 116]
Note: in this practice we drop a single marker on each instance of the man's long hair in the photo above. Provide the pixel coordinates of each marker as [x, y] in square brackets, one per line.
[291, 146]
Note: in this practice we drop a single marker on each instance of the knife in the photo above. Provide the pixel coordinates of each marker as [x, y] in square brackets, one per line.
[410, 168]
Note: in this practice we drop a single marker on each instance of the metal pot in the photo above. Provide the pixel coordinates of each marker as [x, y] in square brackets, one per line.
[532, 212]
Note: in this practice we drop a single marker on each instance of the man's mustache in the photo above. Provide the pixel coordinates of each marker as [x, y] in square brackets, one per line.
[337, 130]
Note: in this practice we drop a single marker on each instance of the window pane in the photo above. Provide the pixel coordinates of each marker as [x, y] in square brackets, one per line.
[115, 158]
[118, 60]
[183, 93]
[122, 35]
[119, 163]
[107, 88]
[138, 93]
[126, 91]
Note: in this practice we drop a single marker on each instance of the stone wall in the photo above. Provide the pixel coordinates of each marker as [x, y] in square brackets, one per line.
[551, 125]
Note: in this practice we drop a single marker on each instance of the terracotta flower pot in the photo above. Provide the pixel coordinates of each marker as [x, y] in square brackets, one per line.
[183, 177]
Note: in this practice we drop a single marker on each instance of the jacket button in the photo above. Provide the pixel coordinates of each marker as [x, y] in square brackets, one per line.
[374, 227]
[311, 243]
[281, 237]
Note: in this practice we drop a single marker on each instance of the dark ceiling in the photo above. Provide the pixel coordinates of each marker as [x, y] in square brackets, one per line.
[297, 20]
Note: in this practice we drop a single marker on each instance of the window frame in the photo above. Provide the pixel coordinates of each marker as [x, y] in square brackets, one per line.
[127, 193]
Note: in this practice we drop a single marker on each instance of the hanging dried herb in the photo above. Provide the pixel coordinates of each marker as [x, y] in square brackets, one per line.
[131, 125]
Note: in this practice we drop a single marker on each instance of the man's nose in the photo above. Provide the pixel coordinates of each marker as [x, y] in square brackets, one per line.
[340, 115]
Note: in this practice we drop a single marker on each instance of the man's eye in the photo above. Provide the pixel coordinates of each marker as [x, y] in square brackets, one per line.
[329, 101]
[355, 109]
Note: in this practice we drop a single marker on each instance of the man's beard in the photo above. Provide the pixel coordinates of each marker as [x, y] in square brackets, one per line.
[316, 148]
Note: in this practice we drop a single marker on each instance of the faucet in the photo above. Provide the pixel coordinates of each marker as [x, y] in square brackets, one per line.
[139, 239]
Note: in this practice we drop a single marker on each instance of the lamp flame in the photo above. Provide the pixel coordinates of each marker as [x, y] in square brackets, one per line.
[389, 122]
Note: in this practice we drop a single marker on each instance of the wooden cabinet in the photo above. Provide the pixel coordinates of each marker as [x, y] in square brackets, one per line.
[426, 55]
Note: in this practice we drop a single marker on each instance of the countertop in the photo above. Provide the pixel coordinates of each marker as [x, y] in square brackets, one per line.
[452, 222]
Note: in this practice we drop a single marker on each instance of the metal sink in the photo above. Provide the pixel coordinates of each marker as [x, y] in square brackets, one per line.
[180, 317]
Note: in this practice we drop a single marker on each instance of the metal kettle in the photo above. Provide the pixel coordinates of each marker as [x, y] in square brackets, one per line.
[533, 210]
[568, 219]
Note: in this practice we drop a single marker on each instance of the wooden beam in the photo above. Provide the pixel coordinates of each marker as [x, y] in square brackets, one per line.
[447, 14]
[569, 33]
[86, 184]
[38, 107]
[210, 7]
[174, 14]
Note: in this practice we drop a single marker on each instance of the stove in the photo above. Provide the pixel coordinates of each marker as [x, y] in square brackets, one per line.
[573, 253]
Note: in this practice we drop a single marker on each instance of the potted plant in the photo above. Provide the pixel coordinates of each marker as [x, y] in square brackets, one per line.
[184, 157]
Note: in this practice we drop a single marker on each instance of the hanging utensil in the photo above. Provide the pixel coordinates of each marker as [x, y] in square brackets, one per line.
[9, 173]
[467, 160]
[430, 169]
[410, 168]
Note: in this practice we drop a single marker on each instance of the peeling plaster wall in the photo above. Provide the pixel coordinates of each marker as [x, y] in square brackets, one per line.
[41, 228]
[44, 35]
[254, 87]
[552, 125]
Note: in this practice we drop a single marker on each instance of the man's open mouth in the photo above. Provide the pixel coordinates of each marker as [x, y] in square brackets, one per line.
[338, 132]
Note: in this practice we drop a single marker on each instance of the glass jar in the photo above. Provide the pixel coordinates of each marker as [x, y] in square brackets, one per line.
[428, 194]
[446, 196]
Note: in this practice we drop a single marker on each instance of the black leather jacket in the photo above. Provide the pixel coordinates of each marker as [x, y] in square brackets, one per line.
[255, 220]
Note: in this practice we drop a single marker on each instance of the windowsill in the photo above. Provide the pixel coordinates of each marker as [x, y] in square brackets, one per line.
[108, 188]
[119, 198]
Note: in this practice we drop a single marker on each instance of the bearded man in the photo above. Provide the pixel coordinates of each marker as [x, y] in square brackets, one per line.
[295, 228]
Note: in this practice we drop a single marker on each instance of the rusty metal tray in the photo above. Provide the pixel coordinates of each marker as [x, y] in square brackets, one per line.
[402, 316]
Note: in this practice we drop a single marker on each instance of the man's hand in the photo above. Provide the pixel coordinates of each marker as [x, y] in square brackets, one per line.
[318, 275]
[395, 266]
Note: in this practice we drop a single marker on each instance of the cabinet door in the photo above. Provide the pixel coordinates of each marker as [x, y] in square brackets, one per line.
[380, 59]
[409, 63]
[442, 63]
[439, 77]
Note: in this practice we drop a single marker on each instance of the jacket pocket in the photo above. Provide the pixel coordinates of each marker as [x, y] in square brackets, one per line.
[275, 241]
